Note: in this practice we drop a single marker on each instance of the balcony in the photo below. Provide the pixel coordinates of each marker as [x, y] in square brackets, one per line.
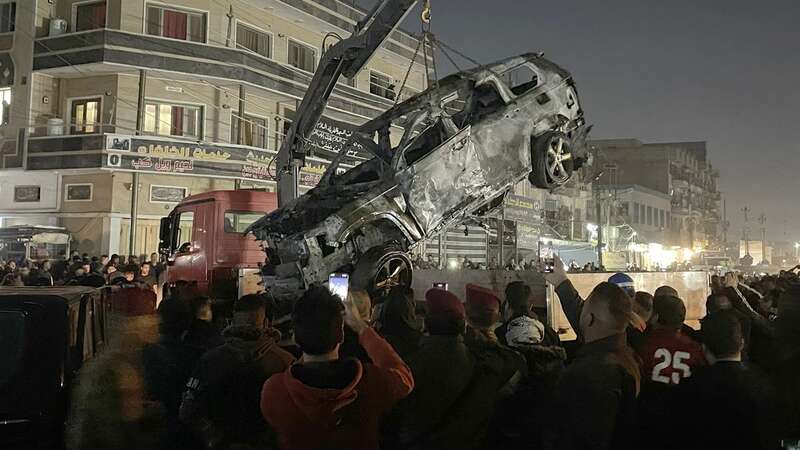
[112, 51]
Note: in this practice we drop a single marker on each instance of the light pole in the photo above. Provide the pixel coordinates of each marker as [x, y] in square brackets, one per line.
[796, 248]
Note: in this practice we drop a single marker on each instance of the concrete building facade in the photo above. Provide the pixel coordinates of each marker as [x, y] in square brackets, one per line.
[70, 74]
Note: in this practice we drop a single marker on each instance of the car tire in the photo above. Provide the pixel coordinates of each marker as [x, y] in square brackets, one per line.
[381, 268]
[552, 160]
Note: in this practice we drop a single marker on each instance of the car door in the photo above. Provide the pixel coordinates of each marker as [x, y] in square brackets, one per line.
[442, 185]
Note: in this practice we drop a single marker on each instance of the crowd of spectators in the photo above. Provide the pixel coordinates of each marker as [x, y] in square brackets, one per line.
[483, 372]
[84, 270]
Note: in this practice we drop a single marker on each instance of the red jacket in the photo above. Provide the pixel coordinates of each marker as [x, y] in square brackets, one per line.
[668, 356]
[310, 418]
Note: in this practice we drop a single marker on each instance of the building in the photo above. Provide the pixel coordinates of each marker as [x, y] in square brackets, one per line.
[221, 83]
[680, 170]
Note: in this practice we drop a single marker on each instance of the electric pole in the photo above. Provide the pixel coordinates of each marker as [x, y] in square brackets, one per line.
[762, 219]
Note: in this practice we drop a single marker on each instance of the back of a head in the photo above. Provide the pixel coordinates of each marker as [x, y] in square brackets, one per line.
[670, 310]
[716, 303]
[643, 304]
[624, 281]
[398, 311]
[318, 321]
[483, 307]
[666, 291]
[518, 297]
[618, 302]
[250, 309]
[722, 334]
[175, 316]
[445, 315]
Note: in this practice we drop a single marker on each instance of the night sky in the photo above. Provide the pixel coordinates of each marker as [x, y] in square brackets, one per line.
[722, 71]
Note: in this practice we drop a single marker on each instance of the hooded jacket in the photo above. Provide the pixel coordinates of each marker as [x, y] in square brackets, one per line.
[338, 404]
[399, 325]
[221, 399]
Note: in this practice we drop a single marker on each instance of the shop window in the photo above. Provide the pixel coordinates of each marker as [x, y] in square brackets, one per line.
[166, 119]
[302, 56]
[8, 17]
[381, 85]
[176, 24]
[89, 16]
[85, 116]
[254, 40]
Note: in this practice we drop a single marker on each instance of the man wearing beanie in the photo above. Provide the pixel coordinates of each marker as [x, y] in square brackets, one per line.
[443, 368]
[624, 281]
[668, 358]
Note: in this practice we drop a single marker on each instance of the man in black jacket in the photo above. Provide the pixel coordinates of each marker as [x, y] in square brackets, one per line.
[222, 398]
[730, 401]
[597, 392]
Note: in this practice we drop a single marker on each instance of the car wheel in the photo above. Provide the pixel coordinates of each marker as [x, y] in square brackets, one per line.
[382, 268]
[552, 160]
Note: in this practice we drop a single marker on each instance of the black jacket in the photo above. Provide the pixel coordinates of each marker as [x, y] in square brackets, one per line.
[596, 395]
[399, 325]
[443, 368]
[223, 394]
[730, 409]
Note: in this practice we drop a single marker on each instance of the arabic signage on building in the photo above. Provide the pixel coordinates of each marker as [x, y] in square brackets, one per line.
[157, 155]
[523, 209]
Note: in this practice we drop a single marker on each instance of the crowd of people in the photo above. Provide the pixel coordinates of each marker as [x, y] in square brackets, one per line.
[84, 270]
[483, 372]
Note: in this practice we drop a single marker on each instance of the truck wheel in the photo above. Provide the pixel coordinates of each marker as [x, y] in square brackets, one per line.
[551, 157]
[382, 268]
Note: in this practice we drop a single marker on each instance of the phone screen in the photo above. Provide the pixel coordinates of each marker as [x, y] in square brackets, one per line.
[339, 284]
[440, 286]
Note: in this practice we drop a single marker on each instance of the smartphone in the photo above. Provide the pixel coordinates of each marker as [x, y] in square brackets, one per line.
[339, 284]
[549, 263]
[440, 286]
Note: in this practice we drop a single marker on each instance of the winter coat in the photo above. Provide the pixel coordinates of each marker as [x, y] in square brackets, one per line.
[222, 396]
[730, 409]
[399, 325]
[443, 368]
[336, 405]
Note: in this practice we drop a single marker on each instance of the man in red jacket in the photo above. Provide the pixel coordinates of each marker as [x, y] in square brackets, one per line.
[324, 402]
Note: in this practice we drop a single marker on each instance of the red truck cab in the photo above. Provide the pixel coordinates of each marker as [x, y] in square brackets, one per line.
[204, 242]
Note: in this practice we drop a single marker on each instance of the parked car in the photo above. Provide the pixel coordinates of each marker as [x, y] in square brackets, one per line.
[463, 144]
[47, 334]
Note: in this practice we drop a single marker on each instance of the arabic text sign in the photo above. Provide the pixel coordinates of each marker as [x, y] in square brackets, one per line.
[523, 209]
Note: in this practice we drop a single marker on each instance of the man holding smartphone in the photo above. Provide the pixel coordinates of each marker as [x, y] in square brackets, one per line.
[328, 402]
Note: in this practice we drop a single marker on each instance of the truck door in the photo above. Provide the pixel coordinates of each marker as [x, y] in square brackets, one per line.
[191, 237]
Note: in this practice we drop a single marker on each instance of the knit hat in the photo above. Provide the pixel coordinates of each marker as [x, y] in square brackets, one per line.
[524, 330]
[624, 281]
[670, 310]
[439, 302]
[483, 306]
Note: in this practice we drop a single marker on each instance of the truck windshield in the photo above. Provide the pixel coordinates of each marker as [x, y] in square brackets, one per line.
[12, 334]
[238, 221]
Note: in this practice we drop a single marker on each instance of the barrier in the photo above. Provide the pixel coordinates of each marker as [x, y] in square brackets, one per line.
[693, 288]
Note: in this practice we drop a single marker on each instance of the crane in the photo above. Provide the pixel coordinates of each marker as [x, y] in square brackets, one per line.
[347, 57]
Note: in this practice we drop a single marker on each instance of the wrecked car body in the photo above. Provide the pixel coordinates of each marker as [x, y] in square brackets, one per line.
[464, 144]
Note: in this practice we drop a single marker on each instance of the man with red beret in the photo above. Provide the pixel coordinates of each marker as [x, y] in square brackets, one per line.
[442, 367]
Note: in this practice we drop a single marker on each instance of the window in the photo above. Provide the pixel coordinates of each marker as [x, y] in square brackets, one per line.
[183, 237]
[89, 16]
[173, 120]
[5, 105]
[256, 130]
[381, 85]
[78, 192]
[520, 79]
[302, 56]
[650, 215]
[251, 39]
[8, 16]
[237, 222]
[176, 24]
[85, 115]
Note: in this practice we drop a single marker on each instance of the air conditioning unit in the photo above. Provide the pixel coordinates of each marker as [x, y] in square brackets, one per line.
[55, 126]
[57, 27]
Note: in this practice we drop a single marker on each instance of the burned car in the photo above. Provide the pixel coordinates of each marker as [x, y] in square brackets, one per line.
[464, 143]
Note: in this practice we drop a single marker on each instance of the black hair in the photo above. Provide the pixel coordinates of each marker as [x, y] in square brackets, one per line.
[666, 291]
[444, 325]
[175, 317]
[249, 303]
[197, 302]
[722, 334]
[318, 320]
[518, 296]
